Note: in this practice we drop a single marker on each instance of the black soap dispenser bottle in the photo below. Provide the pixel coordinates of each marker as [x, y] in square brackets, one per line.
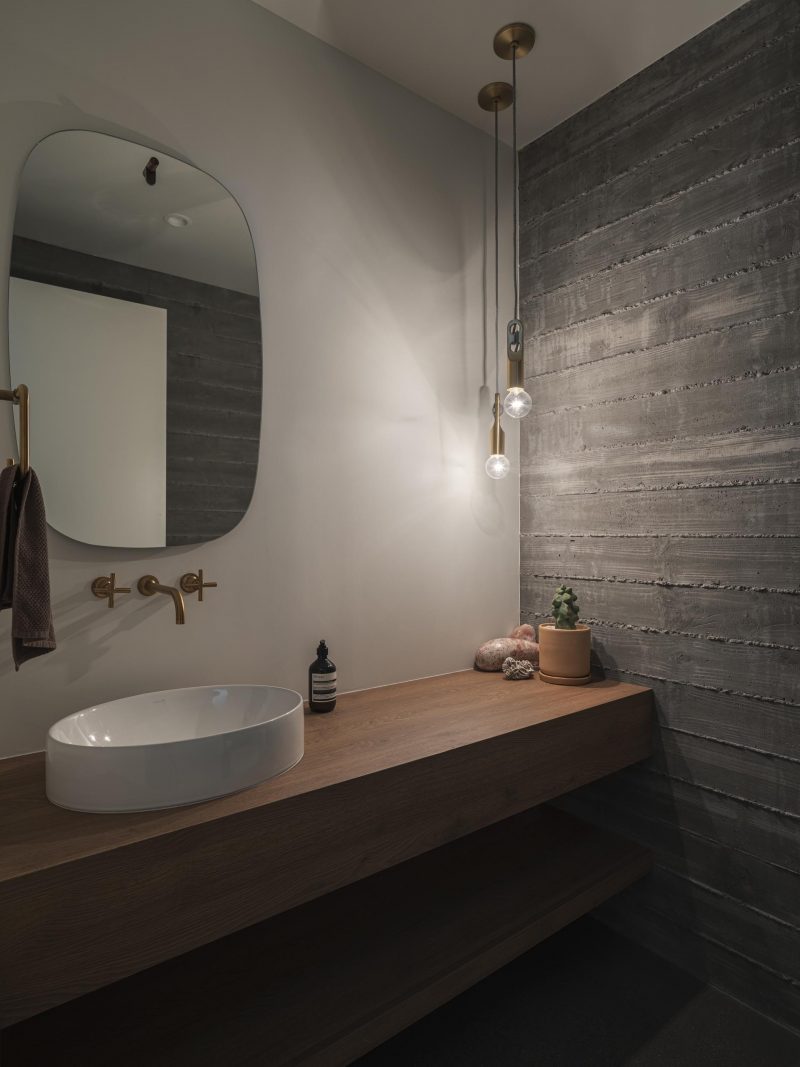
[322, 681]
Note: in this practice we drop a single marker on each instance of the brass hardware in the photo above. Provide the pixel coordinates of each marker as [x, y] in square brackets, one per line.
[22, 398]
[195, 583]
[149, 585]
[516, 36]
[106, 588]
[496, 96]
[516, 374]
[497, 437]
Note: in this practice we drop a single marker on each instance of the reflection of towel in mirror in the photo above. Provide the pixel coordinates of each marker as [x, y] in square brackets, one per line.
[23, 558]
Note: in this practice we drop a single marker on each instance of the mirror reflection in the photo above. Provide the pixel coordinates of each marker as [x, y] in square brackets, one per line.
[134, 319]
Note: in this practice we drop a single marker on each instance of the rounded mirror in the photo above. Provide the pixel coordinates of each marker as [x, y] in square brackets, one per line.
[134, 321]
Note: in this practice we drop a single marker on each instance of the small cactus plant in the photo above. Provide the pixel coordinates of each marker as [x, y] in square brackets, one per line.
[565, 608]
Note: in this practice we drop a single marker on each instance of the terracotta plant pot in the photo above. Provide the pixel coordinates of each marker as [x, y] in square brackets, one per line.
[565, 655]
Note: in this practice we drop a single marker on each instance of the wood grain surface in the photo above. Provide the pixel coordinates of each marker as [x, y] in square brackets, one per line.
[322, 984]
[394, 772]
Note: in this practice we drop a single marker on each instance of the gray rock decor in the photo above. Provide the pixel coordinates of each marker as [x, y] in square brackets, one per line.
[519, 644]
[518, 669]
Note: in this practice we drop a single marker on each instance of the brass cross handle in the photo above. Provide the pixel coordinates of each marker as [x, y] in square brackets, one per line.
[106, 588]
[195, 583]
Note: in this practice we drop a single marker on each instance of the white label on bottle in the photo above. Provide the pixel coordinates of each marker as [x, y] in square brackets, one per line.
[323, 687]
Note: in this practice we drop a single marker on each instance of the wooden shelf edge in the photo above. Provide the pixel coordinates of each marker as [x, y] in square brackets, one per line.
[414, 1004]
[211, 879]
[376, 731]
[325, 982]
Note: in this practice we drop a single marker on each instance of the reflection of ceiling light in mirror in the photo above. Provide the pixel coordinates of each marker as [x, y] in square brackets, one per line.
[177, 220]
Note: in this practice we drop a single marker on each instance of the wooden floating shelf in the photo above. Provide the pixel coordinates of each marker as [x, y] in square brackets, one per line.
[322, 984]
[87, 900]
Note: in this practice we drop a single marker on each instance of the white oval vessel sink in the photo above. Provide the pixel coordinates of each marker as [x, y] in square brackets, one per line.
[180, 746]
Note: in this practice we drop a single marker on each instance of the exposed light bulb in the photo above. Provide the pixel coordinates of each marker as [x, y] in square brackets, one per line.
[498, 466]
[517, 403]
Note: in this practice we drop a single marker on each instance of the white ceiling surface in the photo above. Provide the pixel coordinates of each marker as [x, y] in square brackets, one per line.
[86, 191]
[442, 49]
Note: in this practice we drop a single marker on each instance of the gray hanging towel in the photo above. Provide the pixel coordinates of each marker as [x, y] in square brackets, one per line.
[31, 615]
[8, 529]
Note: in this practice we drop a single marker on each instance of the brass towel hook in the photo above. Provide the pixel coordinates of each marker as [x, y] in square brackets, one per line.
[21, 397]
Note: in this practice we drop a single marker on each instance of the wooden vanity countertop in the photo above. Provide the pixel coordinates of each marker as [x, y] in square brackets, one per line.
[369, 732]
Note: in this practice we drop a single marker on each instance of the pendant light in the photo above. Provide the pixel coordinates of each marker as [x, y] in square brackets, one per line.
[495, 97]
[514, 42]
[498, 464]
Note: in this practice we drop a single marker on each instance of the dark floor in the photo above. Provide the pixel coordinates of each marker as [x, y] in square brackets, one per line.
[590, 998]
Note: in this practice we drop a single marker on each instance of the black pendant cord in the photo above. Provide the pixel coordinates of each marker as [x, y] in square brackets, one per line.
[496, 252]
[515, 190]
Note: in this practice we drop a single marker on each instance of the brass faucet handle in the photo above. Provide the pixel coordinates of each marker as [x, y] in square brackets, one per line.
[106, 588]
[195, 583]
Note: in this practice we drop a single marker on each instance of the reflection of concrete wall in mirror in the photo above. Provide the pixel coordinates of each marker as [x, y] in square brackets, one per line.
[213, 387]
[97, 370]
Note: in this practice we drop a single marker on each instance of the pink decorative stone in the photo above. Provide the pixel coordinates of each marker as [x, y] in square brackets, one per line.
[525, 631]
[491, 654]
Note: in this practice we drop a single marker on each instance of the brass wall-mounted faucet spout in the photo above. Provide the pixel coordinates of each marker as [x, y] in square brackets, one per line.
[150, 585]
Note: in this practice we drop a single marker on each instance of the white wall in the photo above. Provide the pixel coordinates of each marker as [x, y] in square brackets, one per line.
[98, 369]
[372, 524]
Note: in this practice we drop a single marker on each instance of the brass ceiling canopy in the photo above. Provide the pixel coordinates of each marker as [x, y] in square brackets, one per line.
[496, 96]
[515, 33]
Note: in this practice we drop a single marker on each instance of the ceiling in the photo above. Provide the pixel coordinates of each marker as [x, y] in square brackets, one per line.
[86, 191]
[442, 49]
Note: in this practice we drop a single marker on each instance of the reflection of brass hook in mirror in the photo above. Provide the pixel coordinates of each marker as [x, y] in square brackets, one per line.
[21, 397]
[149, 171]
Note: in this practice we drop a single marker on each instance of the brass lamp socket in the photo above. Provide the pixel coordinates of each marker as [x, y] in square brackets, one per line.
[516, 374]
[497, 438]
